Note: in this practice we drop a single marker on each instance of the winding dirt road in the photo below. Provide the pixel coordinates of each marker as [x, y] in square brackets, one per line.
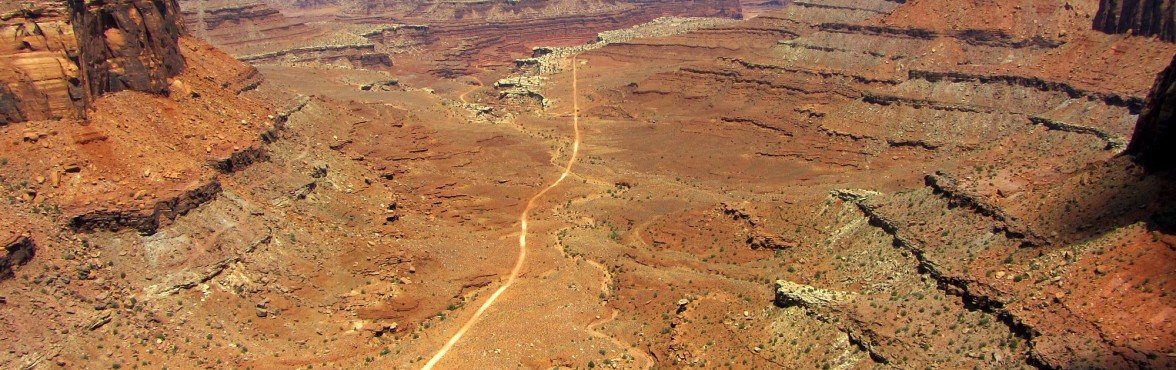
[522, 259]
[473, 88]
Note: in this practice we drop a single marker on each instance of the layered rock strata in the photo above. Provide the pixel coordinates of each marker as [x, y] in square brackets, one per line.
[40, 78]
[59, 56]
[244, 28]
[1016, 235]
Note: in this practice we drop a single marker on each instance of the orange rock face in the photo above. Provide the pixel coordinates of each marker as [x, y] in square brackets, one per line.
[58, 59]
[41, 81]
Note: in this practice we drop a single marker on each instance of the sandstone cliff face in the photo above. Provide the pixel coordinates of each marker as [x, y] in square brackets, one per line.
[56, 57]
[1141, 17]
[1152, 143]
[143, 87]
[127, 44]
[39, 79]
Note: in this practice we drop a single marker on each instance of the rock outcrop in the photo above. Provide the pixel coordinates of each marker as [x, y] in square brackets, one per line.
[127, 44]
[59, 56]
[947, 187]
[142, 85]
[1138, 17]
[399, 38]
[348, 55]
[17, 251]
[38, 76]
[789, 293]
[1152, 143]
[146, 221]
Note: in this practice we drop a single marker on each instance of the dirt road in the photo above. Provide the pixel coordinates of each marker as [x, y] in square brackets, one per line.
[522, 259]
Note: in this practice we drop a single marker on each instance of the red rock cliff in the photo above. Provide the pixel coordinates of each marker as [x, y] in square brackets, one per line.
[57, 56]
[38, 78]
[127, 44]
[1141, 17]
[1154, 141]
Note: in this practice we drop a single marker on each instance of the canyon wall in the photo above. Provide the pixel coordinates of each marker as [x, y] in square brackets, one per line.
[521, 9]
[57, 57]
[1152, 143]
[127, 44]
[504, 31]
[243, 27]
[39, 78]
[692, 8]
[868, 86]
[1139, 17]
[90, 86]
[478, 34]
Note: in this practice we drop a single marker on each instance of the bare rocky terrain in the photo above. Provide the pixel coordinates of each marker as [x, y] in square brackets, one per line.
[587, 184]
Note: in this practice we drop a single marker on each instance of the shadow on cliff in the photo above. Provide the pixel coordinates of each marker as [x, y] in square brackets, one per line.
[1138, 185]
[1114, 194]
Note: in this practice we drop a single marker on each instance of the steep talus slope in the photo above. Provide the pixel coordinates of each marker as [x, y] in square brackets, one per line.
[1023, 19]
[92, 172]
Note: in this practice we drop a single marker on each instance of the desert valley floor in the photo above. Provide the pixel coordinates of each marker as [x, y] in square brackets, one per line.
[587, 184]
